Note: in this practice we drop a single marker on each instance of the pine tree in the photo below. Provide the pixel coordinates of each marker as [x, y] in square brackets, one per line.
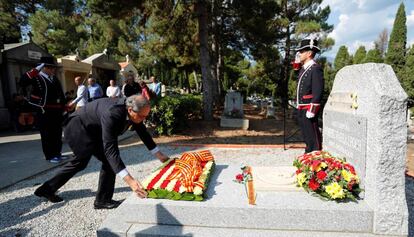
[373, 56]
[58, 33]
[396, 47]
[360, 55]
[9, 27]
[342, 58]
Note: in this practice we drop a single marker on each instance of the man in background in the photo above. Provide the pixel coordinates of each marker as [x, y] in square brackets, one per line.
[81, 94]
[155, 86]
[94, 89]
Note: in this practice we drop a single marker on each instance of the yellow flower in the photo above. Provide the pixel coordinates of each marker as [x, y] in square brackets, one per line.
[335, 190]
[347, 175]
[323, 165]
[301, 178]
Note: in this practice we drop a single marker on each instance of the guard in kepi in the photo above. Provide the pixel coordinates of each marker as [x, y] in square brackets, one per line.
[47, 97]
[93, 130]
[309, 94]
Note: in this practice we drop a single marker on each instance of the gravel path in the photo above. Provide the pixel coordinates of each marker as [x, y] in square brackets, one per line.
[23, 214]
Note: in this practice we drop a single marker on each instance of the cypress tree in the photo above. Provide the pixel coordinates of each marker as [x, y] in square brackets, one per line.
[373, 56]
[342, 58]
[396, 47]
[407, 74]
[360, 55]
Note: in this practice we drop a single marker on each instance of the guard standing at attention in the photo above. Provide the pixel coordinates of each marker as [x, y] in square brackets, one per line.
[309, 94]
[47, 97]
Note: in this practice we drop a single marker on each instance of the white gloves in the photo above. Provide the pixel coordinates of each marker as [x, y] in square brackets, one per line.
[309, 115]
[40, 67]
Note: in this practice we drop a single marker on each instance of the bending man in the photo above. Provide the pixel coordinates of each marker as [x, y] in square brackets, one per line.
[94, 130]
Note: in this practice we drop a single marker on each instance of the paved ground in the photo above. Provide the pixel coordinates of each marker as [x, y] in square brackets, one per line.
[21, 156]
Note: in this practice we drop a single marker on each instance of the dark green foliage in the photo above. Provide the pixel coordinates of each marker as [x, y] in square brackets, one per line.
[329, 76]
[342, 58]
[172, 112]
[373, 56]
[398, 39]
[9, 27]
[360, 55]
[406, 75]
[58, 33]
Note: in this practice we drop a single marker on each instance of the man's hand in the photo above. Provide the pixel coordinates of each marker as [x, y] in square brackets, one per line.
[309, 115]
[135, 186]
[163, 158]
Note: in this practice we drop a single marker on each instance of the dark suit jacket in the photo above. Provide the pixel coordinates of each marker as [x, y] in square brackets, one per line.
[96, 127]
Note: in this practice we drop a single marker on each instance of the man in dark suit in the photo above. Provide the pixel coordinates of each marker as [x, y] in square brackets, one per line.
[47, 98]
[131, 87]
[94, 130]
[309, 94]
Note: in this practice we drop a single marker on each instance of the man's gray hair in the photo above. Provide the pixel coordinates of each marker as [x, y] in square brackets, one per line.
[137, 102]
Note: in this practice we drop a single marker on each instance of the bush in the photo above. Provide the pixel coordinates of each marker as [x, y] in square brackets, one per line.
[171, 113]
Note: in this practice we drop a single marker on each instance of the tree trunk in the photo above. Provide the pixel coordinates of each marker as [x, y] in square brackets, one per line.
[202, 11]
[198, 89]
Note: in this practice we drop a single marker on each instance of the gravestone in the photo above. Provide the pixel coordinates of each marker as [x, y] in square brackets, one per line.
[233, 105]
[233, 111]
[364, 120]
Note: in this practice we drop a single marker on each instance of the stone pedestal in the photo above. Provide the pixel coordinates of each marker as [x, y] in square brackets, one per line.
[227, 122]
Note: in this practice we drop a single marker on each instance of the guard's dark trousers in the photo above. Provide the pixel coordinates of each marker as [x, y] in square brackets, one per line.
[50, 127]
[310, 131]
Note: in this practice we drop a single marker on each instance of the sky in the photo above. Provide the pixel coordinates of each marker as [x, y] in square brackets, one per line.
[359, 22]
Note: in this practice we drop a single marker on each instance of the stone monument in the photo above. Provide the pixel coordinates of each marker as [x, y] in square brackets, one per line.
[233, 116]
[364, 120]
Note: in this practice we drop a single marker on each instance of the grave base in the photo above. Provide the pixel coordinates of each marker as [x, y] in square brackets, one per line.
[226, 212]
[227, 122]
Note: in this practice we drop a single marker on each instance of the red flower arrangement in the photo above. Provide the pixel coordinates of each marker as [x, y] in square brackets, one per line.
[327, 176]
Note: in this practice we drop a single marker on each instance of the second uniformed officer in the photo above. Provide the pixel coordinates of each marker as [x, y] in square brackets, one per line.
[47, 98]
[309, 94]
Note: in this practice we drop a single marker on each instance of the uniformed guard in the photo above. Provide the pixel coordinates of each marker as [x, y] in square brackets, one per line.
[47, 97]
[309, 94]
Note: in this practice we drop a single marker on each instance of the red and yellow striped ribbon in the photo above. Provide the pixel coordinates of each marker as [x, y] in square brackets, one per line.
[189, 168]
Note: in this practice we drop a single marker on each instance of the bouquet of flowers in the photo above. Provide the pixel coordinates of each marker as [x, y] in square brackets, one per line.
[330, 177]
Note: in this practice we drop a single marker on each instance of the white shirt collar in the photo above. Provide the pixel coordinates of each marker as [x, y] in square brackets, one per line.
[45, 75]
[308, 64]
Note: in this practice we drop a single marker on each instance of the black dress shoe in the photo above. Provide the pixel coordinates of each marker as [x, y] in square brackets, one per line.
[107, 205]
[41, 192]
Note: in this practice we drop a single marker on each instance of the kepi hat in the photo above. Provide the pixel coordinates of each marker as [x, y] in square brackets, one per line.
[48, 61]
[309, 44]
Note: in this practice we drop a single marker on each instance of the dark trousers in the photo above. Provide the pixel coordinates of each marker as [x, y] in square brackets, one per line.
[50, 127]
[83, 147]
[310, 131]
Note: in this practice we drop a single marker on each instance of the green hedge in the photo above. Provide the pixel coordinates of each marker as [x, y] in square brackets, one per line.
[171, 113]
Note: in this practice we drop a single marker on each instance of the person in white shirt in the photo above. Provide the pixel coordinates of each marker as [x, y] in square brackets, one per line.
[113, 90]
[81, 94]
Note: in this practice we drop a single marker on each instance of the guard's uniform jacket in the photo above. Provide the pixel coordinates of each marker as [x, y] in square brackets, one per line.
[308, 97]
[45, 93]
[47, 97]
